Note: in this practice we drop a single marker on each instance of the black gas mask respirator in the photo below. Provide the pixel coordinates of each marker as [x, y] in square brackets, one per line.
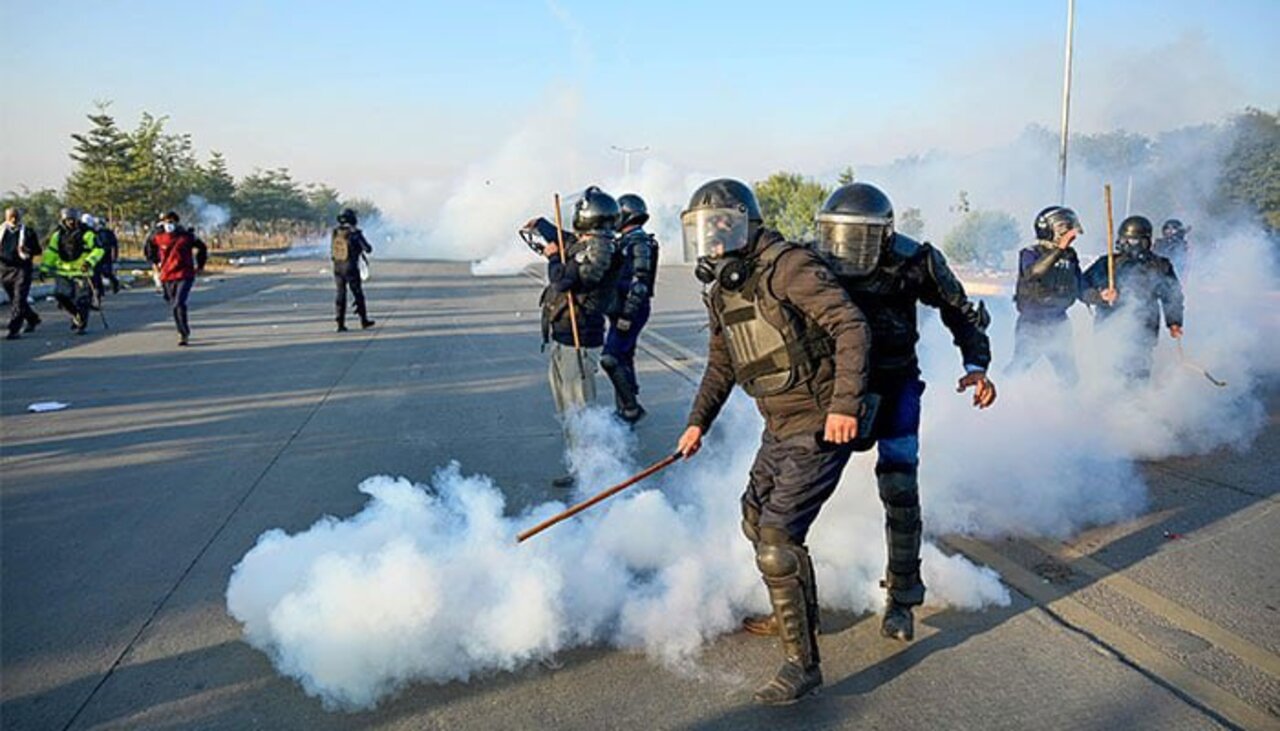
[730, 272]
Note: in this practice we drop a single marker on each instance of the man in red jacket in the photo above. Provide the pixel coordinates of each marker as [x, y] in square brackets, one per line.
[177, 255]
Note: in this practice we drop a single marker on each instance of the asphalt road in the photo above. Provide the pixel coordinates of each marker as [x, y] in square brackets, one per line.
[121, 517]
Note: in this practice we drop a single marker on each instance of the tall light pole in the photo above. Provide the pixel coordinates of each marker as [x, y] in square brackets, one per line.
[627, 152]
[1066, 104]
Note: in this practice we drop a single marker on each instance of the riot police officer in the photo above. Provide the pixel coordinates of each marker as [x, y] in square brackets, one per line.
[886, 274]
[71, 256]
[1145, 285]
[638, 250]
[1172, 244]
[348, 244]
[783, 329]
[586, 272]
[1049, 282]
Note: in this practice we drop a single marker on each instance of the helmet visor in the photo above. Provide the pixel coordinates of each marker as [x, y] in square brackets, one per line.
[713, 232]
[851, 243]
[1064, 221]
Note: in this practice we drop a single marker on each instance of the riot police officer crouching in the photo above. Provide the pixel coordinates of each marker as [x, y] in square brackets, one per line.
[782, 328]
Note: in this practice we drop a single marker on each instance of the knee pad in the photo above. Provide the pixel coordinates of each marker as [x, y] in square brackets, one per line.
[609, 362]
[778, 562]
[898, 488]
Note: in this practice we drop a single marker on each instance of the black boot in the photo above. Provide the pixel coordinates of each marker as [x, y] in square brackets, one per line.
[367, 323]
[898, 622]
[32, 321]
[628, 406]
[785, 569]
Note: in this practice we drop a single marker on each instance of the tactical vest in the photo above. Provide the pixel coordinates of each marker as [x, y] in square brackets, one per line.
[1056, 290]
[772, 346]
[70, 244]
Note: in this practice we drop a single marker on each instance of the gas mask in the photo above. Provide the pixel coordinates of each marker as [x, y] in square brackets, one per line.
[730, 272]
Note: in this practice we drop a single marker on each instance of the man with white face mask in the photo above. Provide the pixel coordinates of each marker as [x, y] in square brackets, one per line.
[177, 255]
[19, 245]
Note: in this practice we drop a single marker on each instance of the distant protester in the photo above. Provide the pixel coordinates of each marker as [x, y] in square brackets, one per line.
[19, 246]
[71, 257]
[348, 246]
[177, 255]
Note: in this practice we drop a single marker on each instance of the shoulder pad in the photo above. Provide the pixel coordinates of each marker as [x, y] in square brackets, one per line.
[905, 247]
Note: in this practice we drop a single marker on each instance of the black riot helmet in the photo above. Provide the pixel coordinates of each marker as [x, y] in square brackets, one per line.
[596, 210]
[854, 226]
[69, 214]
[634, 211]
[1134, 235]
[719, 218]
[1054, 221]
[1173, 228]
[348, 216]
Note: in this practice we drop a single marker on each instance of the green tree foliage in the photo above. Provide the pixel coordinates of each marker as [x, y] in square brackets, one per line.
[102, 157]
[162, 170]
[39, 207]
[1251, 170]
[324, 203]
[982, 239]
[215, 183]
[789, 203]
[1115, 154]
[911, 223]
[269, 198]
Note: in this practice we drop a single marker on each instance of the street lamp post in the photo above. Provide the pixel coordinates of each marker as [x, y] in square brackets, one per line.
[1066, 104]
[627, 152]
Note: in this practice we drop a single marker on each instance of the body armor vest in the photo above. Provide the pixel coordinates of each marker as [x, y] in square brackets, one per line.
[1057, 289]
[772, 346]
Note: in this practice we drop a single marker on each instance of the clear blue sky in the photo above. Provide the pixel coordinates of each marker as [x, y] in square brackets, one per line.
[359, 94]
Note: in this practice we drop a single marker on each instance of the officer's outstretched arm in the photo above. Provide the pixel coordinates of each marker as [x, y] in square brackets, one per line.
[966, 321]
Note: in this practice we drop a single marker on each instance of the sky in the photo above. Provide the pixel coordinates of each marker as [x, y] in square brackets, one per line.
[397, 100]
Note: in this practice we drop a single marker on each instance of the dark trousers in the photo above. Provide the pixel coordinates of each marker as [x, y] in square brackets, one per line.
[74, 295]
[790, 480]
[345, 278]
[176, 293]
[17, 287]
[1050, 338]
[897, 433]
[619, 355]
[106, 272]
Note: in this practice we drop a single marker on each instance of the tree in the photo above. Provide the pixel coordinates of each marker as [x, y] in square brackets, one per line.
[271, 197]
[789, 203]
[324, 203]
[846, 176]
[1251, 169]
[911, 223]
[982, 238]
[215, 183]
[162, 170]
[39, 208]
[1112, 153]
[102, 157]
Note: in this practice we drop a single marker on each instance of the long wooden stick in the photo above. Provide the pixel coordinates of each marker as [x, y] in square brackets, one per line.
[573, 314]
[655, 467]
[1111, 240]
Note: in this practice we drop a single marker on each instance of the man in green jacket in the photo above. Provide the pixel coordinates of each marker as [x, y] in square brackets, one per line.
[71, 256]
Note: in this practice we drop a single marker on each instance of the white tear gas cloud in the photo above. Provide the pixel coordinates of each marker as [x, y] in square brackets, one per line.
[427, 584]
[208, 216]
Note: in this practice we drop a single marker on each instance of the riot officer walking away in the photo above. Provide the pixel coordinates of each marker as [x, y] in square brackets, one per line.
[639, 270]
[177, 255]
[70, 257]
[1172, 244]
[886, 274]
[1049, 282]
[1146, 284]
[19, 246]
[587, 273]
[348, 245]
[783, 329]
